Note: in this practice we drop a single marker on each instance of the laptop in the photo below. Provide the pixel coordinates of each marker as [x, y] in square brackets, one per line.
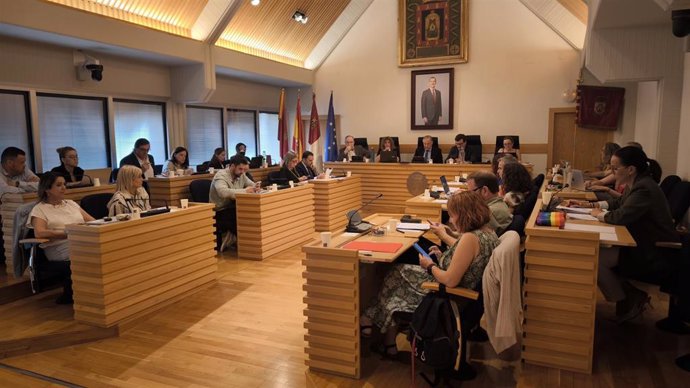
[329, 171]
[444, 182]
[356, 158]
[578, 182]
[387, 157]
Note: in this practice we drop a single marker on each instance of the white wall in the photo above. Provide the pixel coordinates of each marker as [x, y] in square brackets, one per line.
[647, 117]
[517, 70]
[684, 132]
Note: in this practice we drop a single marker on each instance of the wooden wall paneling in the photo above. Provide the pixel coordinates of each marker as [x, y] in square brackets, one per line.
[123, 270]
[590, 140]
[269, 223]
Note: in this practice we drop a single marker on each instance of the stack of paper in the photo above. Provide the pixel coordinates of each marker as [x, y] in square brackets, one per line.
[412, 226]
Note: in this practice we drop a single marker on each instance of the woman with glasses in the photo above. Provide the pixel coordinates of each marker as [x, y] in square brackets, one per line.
[69, 168]
[130, 192]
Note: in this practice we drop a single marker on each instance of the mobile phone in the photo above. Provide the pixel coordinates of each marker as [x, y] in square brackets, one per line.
[421, 251]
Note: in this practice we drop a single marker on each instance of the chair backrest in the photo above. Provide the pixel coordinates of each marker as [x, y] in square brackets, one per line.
[473, 140]
[530, 202]
[679, 201]
[96, 204]
[203, 167]
[113, 175]
[538, 181]
[199, 190]
[157, 169]
[474, 145]
[499, 142]
[668, 184]
[433, 138]
[361, 141]
[517, 225]
[275, 177]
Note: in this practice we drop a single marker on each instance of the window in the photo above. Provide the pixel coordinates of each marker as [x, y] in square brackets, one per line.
[14, 122]
[78, 122]
[268, 135]
[140, 119]
[204, 133]
[242, 129]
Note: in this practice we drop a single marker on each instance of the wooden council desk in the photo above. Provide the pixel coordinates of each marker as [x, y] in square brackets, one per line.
[125, 269]
[332, 200]
[390, 179]
[169, 191]
[560, 293]
[269, 223]
[333, 290]
[11, 202]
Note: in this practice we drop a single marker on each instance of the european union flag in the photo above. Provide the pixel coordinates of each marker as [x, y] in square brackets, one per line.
[331, 143]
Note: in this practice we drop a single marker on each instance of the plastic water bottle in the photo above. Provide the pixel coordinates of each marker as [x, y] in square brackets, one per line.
[264, 163]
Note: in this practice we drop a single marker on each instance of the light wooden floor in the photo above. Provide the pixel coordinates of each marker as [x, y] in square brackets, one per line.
[247, 332]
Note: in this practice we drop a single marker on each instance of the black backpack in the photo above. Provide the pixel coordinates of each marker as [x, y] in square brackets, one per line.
[435, 332]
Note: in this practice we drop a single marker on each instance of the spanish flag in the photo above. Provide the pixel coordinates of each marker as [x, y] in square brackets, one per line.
[282, 126]
[298, 133]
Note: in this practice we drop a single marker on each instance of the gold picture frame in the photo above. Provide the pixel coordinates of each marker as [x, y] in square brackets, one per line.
[433, 32]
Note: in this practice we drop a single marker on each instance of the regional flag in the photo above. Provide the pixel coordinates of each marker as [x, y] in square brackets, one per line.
[282, 126]
[298, 132]
[314, 125]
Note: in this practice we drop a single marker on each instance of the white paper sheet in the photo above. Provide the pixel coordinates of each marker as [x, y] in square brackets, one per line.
[440, 201]
[412, 226]
[586, 217]
[607, 233]
[580, 210]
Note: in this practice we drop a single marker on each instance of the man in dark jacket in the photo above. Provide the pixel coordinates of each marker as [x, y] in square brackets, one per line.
[428, 151]
[140, 157]
[461, 153]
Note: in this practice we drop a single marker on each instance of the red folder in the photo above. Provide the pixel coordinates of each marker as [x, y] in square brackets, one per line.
[385, 247]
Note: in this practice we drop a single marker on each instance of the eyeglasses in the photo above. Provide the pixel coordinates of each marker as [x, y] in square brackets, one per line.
[144, 149]
[478, 188]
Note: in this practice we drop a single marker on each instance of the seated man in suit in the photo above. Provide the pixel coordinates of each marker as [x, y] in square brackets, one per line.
[226, 183]
[15, 175]
[307, 168]
[428, 152]
[460, 153]
[350, 149]
[140, 157]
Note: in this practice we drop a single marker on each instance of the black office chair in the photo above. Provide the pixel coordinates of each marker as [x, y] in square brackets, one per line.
[538, 181]
[275, 177]
[203, 167]
[668, 184]
[499, 142]
[526, 208]
[679, 201]
[113, 175]
[362, 141]
[474, 145]
[157, 169]
[96, 204]
[199, 190]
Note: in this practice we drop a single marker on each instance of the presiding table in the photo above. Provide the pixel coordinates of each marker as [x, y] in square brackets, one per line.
[334, 287]
[560, 292]
[11, 202]
[122, 270]
[390, 179]
[269, 223]
[333, 198]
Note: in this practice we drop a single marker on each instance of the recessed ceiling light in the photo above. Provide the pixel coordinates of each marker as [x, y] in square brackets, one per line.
[255, 2]
[300, 17]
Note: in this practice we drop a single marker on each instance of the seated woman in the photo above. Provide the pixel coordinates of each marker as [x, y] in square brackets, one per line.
[48, 219]
[130, 193]
[604, 169]
[179, 160]
[508, 148]
[387, 145]
[609, 187]
[69, 168]
[217, 159]
[643, 209]
[288, 172]
[517, 184]
[499, 161]
[462, 265]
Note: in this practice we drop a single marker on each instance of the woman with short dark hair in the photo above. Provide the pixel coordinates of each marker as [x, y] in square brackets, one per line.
[218, 158]
[179, 160]
[48, 219]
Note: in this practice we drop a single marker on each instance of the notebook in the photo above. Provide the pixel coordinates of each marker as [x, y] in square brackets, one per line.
[387, 157]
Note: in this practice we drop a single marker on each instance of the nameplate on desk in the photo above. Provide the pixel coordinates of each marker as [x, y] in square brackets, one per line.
[383, 247]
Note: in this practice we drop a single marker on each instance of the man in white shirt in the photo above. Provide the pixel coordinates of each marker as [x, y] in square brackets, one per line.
[15, 176]
[140, 157]
[226, 183]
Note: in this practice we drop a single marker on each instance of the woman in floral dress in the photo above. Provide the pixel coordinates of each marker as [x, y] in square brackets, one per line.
[462, 265]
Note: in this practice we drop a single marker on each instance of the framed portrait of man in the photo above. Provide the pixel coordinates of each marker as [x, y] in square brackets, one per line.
[432, 99]
[433, 32]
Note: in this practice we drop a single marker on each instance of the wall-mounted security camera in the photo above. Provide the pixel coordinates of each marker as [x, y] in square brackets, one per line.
[681, 22]
[88, 67]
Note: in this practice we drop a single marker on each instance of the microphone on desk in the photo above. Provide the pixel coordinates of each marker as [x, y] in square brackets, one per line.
[549, 206]
[361, 226]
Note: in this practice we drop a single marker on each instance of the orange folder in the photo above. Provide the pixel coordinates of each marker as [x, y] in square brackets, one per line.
[385, 247]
